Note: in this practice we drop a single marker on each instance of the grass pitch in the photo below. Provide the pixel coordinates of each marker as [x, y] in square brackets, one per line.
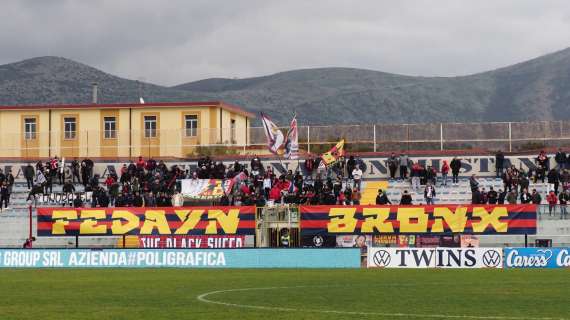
[284, 294]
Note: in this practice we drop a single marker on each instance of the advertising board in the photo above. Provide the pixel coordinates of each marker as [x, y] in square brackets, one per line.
[435, 257]
[181, 258]
[537, 257]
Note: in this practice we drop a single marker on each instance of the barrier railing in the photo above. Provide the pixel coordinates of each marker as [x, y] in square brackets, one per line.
[507, 136]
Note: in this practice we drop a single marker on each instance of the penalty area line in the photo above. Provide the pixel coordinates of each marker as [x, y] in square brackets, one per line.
[204, 298]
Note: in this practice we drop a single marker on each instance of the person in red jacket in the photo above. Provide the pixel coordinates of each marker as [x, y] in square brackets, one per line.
[444, 172]
[552, 200]
[275, 193]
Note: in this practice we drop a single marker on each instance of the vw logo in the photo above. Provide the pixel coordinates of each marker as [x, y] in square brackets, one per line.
[491, 258]
[381, 258]
[318, 241]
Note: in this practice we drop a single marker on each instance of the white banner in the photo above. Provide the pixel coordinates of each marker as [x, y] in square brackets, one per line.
[435, 257]
[205, 189]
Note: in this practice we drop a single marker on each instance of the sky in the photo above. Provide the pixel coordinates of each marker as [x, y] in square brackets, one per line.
[177, 41]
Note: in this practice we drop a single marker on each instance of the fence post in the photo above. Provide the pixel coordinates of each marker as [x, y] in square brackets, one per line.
[510, 138]
[374, 126]
[308, 139]
[441, 136]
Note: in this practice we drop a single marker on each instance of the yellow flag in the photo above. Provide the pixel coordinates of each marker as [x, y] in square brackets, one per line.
[333, 154]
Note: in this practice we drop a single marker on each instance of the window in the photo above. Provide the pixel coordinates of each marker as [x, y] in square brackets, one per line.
[233, 131]
[69, 128]
[149, 126]
[30, 128]
[110, 124]
[191, 125]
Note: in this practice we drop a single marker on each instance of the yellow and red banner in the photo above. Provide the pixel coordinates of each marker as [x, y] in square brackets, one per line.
[146, 221]
[433, 219]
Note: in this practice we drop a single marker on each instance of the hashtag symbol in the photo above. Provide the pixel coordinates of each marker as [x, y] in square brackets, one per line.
[132, 258]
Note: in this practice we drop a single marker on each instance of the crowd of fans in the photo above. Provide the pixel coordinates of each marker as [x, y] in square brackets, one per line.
[516, 181]
[141, 183]
[151, 183]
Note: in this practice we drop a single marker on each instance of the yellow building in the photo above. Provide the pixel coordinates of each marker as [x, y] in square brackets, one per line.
[172, 129]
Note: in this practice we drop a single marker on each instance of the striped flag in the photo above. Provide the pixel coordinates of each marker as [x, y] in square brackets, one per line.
[292, 141]
[274, 136]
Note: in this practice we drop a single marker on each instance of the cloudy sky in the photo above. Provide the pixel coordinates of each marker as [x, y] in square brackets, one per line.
[171, 42]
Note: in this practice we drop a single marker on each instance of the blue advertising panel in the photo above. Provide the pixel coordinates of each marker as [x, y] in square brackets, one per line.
[181, 258]
[537, 257]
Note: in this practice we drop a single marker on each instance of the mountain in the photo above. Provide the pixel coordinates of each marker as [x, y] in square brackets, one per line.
[538, 89]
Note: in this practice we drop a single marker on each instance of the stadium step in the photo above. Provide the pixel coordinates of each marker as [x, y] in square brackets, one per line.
[371, 190]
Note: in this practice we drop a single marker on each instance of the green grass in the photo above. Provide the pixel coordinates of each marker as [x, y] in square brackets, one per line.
[172, 294]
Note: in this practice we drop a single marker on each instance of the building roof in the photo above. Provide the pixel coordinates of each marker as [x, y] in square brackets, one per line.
[220, 104]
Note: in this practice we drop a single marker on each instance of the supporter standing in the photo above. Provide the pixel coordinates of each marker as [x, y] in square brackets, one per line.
[406, 198]
[564, 197]
[4, 195]
[502, 196]
[393, 163]
[499, 163]
[444, 172]
[381, 198]
[473, 183]
[429, 193]
[404, 162]
[525, 197]
[535, 197]
[512, 197]
[475, 196]
[561, 159]
[415, 175]
[553, 179]
[552, 200]
[455, 167]
[492, 196]
[29, 174]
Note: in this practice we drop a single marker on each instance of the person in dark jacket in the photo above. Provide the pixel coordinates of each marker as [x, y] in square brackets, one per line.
[406, 198]
[475, 196]
[455, 167]
[29, 174]
[499, 163]
[525, 197]
[137, 200]
[393, 163]
[561, 159]
[502, 196]
[563, 198]
[492, 196]
[4, 195]
[535, 197]
[553, 178]
[473, 183]
[381, 198]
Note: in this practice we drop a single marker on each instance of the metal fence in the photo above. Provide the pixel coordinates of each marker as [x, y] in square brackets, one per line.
[507, 136]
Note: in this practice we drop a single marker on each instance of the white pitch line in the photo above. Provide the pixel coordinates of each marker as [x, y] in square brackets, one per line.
[203, 298]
